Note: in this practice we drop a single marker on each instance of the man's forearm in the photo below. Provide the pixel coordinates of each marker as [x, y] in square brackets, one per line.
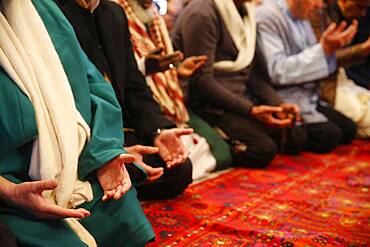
[222, 97]
[351, 56]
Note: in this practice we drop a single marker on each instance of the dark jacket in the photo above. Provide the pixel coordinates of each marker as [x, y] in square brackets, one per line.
[105, 38]
[199, 30]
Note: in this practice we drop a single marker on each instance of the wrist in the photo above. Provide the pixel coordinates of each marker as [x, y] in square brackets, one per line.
[155, 135]
[7, 189]
[328, 51]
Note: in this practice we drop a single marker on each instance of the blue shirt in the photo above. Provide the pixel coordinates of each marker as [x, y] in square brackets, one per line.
[295, 61]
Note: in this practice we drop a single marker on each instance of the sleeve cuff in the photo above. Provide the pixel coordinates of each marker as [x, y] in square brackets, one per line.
[332, 63]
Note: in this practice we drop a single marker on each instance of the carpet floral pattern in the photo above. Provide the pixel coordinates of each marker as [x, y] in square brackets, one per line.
[308, 200]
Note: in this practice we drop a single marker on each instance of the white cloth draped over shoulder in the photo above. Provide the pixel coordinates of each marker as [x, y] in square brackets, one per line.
[354, 102]
[242, 31]
[28, 56]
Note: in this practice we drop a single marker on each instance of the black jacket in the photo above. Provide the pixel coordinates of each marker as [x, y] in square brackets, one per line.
[105, 38]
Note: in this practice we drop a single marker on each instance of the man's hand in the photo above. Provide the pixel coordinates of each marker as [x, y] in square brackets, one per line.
[114, 178]
[366, 47]
[190, 65]
[28, 196]
[155, 62]
[290, 111]
[171, 148]
[139, 151]
[337, 36]
[266, 114]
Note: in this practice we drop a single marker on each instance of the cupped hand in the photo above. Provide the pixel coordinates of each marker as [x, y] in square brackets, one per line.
[156, 62]
[290, 111]
[190, 65]
[267, 115]
[171, 148]
[337, 36]
[114, 178]
[28, 196]
[139, 151]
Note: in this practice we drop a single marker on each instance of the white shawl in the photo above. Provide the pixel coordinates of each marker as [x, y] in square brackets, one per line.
[242, 31]
[29, 57]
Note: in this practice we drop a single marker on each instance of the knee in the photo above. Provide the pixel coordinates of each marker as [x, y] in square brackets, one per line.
[179, 178]
[172, 183]
[185, 172]
[330, 139]
[257, 156]
[266, 154]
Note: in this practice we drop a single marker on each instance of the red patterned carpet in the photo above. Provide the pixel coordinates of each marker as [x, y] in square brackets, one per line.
[309, 200]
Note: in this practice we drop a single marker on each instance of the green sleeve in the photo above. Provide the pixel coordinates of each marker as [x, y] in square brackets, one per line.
[17, 120]
[106, 124]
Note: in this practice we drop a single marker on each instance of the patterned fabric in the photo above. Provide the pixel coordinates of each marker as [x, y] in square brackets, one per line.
[165, 85]
[307, 200]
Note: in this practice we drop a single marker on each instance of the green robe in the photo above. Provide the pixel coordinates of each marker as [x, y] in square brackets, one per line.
[113, 223]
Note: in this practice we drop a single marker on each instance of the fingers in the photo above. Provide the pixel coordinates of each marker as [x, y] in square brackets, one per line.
[173, 160]
[120, 189]
[126, 187]
[147, 150]
[53, 211]
[347, 35]
[126, 158]
[198, 59]
[141, 150]
[117, 192]
[157, 51]
[153, 173]
[108, 195]
[40, 186]
[272, 109]
[201, 58]
[126, 183]
[83, 211]
[180, 158]
[341, 27]
[173, 58]
[330, 29]
[199, 64]
[151, 170]
[264, 109]
[290, 108]
[156, 176]
[181, 132]
[280, 123]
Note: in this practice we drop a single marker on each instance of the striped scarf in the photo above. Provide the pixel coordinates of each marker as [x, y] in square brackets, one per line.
[164, 85]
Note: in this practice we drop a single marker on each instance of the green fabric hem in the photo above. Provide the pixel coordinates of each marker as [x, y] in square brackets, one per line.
[93, 164]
